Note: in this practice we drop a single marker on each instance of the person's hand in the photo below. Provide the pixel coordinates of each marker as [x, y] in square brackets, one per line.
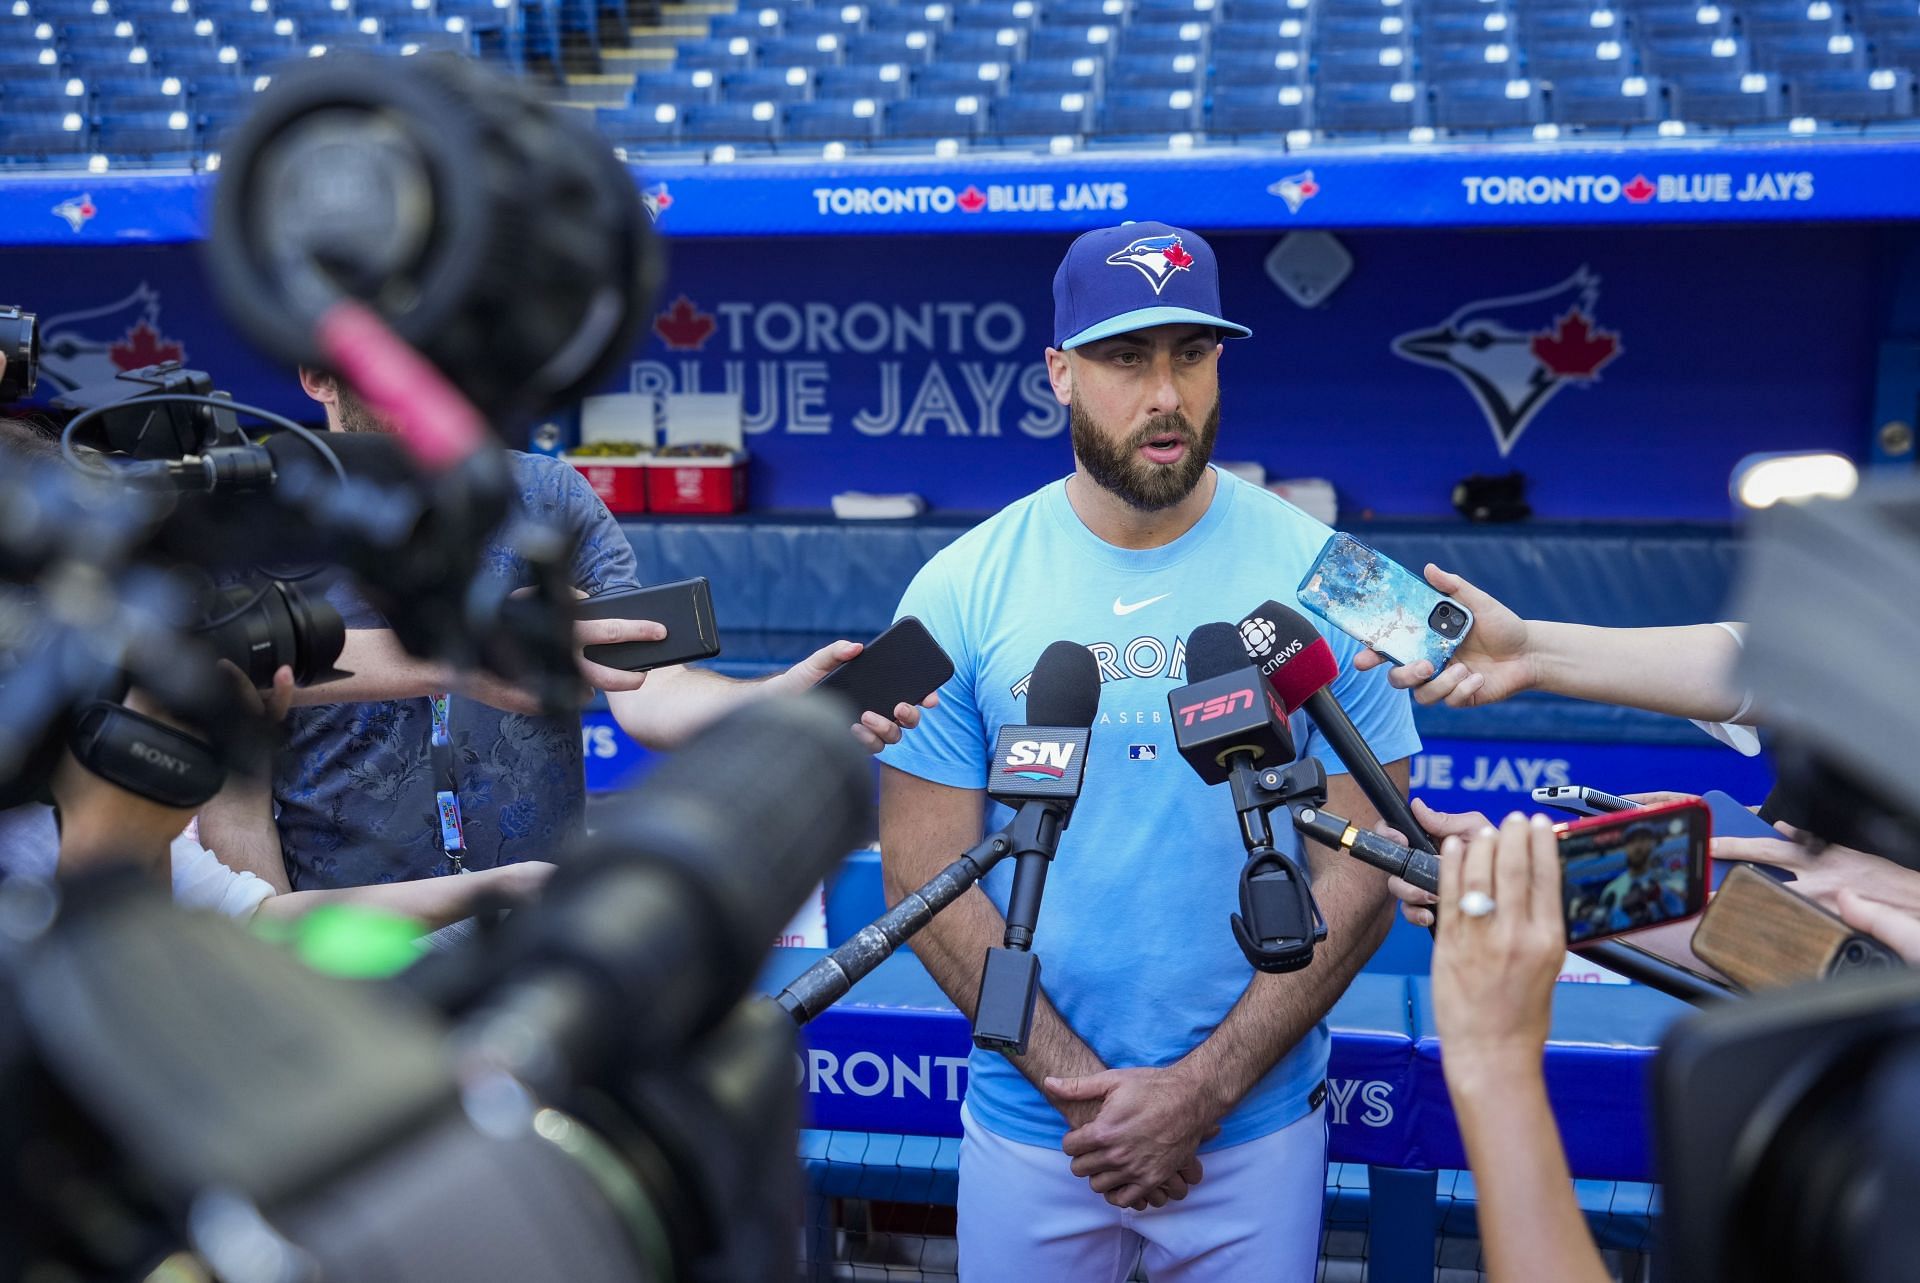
[270, 705]
[1492, 663]
[1895, 928]
[1139, 1149]
[601, 632]
[520, 883]
[872, 730]
[1415, 904]
[1822, 874]
[1660, 798]
[1493, 975]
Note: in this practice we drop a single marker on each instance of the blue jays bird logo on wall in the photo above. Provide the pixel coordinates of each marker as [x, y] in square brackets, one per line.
[1155, 257]
[1513, 353]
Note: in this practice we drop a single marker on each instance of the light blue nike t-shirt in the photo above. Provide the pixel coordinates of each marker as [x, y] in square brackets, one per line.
[1133, 937]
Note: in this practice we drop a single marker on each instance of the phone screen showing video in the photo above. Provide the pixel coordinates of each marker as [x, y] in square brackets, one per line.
[1633, 869]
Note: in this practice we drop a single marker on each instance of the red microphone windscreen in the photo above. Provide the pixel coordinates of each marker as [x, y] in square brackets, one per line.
[1292, 655]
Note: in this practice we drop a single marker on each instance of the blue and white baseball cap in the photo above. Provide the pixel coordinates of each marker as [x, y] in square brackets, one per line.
[1119, 279]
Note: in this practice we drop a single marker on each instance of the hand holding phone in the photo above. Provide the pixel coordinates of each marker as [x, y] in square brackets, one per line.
[1375, 600]
[903, 665]
[1635, 869]
[684, 609]
[1582, 801]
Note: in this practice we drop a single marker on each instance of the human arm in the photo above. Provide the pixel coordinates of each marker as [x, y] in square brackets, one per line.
[678, 701]
[1152, 1121]
[1493, 979]
[432, 902]
[1823, 873]
[1685, 672]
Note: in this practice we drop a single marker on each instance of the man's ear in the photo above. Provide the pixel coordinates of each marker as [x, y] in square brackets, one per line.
[319, 385]
[1060, 374]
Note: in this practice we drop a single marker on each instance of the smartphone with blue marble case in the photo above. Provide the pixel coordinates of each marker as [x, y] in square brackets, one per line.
[1376, 600]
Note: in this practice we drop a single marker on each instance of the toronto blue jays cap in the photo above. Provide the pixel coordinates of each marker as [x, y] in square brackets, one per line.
[1119, 279]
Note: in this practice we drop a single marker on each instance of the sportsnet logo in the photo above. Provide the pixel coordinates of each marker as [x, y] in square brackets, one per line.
[1513, 353]
[1155, 257]
[1037, 760]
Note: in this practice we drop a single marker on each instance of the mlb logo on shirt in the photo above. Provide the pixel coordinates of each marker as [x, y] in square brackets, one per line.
[1142, 753]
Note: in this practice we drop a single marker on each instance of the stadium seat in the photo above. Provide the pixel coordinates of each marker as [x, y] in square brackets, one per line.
[957, 117]
[676, 84]
[1897, 49]
[1369, 108]
[1164, 72]
[751, 23]
[1601, 102]
[1359, 32]
[848, 121]
[1480, 106]
[1166, 39]
[1669, 21]
[642, 124]
[799, 51]
[1887, 15]
[991, 15]
[1369, 65]
[1491, 27]
[848, 83]
[1848, 96]
[981, 44]
[1040, 116]
[764, 84]
[1818, 51]
[878, 48]
[37, 137]
[902, 18]
[1259, 68]
[148, 103]
[1148, 113]
[145, 136]
[1071, 42]
[1694, 55]
[953, 79]
[1731, 98]
[729, 122]
[1161, 11]
[1580, 21]
[1083, 13]
[731, 54]
[1492, 62]
[1065, 75]
[1580, 59]
[1264, 11]
[41, 96]
[1258, 113]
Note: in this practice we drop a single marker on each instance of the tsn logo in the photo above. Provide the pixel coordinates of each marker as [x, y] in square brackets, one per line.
[1218, 706]
[1038, 759]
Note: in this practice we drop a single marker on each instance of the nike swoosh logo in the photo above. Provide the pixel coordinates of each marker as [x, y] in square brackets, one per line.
[1120, 608]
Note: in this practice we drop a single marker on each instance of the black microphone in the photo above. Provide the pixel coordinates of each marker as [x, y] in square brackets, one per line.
[1232, 729]
[1036, 768]
[1417, 868]
[1300, 666]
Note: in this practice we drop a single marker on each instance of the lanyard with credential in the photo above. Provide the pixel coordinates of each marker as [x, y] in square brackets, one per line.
[447, 799]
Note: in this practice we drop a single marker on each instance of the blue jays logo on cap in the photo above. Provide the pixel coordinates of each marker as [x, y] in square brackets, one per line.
[1156, 257]
[1098, 291]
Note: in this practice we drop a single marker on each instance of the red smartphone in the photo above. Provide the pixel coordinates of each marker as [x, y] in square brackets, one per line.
[1634, 869]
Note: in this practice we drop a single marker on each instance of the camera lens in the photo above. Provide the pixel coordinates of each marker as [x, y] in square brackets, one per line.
[284, 627]
[20, 344]
[1447, 619]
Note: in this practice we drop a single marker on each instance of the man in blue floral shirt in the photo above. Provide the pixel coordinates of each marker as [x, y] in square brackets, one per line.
[359, 788]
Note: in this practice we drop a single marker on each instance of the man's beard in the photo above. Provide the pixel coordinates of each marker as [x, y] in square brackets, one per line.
[354, 414]
[1119, 468]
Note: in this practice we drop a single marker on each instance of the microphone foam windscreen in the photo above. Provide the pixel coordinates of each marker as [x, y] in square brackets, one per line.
[1291, 651]
[1065, 687]
[1214, 650]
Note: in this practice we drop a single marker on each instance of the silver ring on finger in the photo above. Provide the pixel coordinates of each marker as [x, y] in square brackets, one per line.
[1476, 904]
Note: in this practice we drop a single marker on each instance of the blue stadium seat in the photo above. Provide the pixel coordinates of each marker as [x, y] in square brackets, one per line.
[745, 22]
[981, 44]
[1601, 102]
[1250, 36]
[642, 124]
[1694, 55]
[1163, 72]
[957, 117]
[1041, 116]
[1682, 20]
[729, 122]
[1387, 64]
[1730, 98]
[1489, 27]
[1164, 11]
[799, 51]
[1064, 75]
[1897, 49]
[145, 136]
[954, 79]
[1265, 11]
[828, 21]
[1259, 67]
[847, 83]
[1819, 51]
[1369, 108]
[1071, 42]
[847, 121]
[1481, 106]
[1579, 21]
[1083, 13]
[1581, 59]
[137, 104]
[24, 60]
[991, 15]
[877, 48]
[1887, 15]
[35, 137]
[764, 84]
[1764, 20]
[89, 28]
[1259, 113]
[1494, 62]
[1148, 113]
[901, 18]
[35, 95]
[729, 54]
[1369, 31]
[1166, 39]
[1847, 96]
[676, 84]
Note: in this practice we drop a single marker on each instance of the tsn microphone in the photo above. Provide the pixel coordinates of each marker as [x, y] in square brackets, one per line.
[1299, 667]
[1036, 769]
[1232, 730]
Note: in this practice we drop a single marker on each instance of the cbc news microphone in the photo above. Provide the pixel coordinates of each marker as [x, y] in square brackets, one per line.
[1036, 768]
[1057, 695]
[1231, 729]
[1299, 666]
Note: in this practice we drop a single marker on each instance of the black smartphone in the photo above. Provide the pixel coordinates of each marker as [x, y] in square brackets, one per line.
[903, 665]
[685, 608]
[1633, 870]
[1581, 801]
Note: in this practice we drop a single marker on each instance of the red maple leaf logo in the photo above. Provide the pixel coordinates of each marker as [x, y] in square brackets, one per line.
[684, 327]
[1575, 349]
[143, 346]
[971, 199]
[1639, 190]
[662, 200]
[1178, 256]
[1309, 189]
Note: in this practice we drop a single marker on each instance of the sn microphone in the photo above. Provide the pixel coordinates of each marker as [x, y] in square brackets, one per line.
[1299, 667]
[1036, 769]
